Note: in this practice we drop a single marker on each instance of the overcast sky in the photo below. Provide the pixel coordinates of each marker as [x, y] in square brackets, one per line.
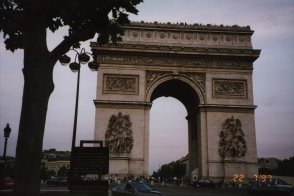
[273, 23]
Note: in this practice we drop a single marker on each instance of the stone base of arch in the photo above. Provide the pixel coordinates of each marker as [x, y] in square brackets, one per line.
[125, 166]
[228, 170]
[135, 162]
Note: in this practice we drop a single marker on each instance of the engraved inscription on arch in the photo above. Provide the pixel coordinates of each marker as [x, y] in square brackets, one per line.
[120, 84]
[228, 88]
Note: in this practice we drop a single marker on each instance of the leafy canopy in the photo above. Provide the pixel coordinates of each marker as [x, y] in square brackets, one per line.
[84, 18]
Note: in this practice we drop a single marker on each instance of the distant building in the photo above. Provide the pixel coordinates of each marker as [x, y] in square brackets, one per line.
[54, 155]
[56, 165]
[53, 160]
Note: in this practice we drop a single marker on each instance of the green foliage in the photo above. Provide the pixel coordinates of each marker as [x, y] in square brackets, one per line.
[84, 18]
[171, 170]
[285, 168]
[6, 170]
[44, 173]
[24, 24]
[62, 172]
[9, 23]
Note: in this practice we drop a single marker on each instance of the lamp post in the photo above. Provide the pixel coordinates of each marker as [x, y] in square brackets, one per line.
[81, 57]
[7, 131]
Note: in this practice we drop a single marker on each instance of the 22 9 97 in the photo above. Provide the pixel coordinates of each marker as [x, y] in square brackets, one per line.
[239, 178]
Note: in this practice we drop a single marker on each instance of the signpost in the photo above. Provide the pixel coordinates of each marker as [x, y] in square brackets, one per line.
[87, 164]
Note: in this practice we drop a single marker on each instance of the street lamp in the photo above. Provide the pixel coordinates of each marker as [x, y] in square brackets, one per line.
[7, 131]
[81, 57]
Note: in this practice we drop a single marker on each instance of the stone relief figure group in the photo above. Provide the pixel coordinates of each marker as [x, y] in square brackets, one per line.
[119, 134]
[232, 139]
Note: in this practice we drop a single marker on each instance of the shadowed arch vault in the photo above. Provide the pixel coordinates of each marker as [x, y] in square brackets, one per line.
[190, 99]
[179, 90]
[206, 67]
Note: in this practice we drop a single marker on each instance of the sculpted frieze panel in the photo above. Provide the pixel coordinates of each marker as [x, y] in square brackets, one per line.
[232, 139]
[119, 134]
[227, 88]
[120, 84]
[156, 60]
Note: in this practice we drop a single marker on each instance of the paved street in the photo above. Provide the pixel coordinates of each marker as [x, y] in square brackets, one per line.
[167, 191]
[189, 191]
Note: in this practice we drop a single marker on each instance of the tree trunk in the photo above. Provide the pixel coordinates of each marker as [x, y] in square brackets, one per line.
[38, 85]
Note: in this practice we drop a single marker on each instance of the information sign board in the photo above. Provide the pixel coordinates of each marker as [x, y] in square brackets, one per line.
[89, 160]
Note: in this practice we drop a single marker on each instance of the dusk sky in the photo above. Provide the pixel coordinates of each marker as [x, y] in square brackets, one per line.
[273, 77]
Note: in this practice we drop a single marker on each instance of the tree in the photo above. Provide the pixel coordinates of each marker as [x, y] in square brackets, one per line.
[63, 171]
[170, 170]
[24, 24]
[44, 173]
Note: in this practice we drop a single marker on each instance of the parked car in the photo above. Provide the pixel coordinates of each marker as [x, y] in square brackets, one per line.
[57, 182]
[275, 186]
[206, 183]
[134, 188]
[281, 184]
[6, 183]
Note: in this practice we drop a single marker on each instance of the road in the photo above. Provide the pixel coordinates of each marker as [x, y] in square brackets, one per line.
[167, 191]
[190, 191]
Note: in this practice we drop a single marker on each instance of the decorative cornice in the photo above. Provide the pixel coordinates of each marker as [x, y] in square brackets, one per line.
[227, 108]
[184, 34]
[208, 59]
[137, 48]
[122, 104]
[232, 161]
[168, 44]
[116, 156]
[190, 26]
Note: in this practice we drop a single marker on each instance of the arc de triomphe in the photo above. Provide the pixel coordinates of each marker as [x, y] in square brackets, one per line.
[206, 67]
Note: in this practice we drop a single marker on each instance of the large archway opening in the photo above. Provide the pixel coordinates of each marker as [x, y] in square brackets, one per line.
[168, 130]
[185, 94]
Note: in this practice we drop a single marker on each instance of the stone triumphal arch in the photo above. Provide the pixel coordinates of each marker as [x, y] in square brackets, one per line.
[206, 67]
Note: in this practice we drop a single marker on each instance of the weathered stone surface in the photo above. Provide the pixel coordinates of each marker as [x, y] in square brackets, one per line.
[208, 68]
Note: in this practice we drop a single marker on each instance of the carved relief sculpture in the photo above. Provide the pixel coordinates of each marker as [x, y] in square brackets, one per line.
[231, 139]
[153, 75]
[198, 78]
[121, 84]
[229, 88]
[119, 134]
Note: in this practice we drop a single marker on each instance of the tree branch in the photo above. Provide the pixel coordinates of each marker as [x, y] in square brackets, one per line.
[97, 24]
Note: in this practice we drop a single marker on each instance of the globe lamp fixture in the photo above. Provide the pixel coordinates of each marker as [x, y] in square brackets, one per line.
[74, 66]
[7, 131]
[64, 60]
[83, 58]
[93, 66]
